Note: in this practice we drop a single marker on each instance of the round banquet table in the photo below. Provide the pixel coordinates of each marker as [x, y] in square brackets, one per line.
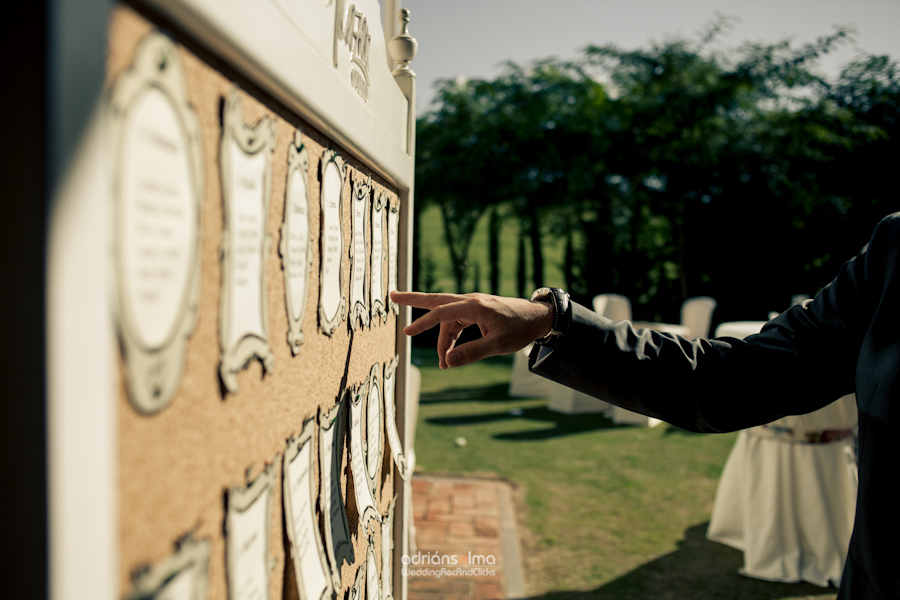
[787, 494]
[672, 328]
[738, 329]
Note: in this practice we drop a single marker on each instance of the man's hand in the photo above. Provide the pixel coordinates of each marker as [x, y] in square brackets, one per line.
[507, 324]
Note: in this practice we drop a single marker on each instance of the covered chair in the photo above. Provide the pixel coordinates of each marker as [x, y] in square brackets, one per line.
[787, 494]
[696, 315]
[612, 306]
[524, 383]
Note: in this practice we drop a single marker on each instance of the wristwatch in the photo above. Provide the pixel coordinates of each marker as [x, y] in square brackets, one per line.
[562, 313]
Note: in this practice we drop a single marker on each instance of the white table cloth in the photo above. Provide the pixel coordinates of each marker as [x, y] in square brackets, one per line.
[738, 329]
[787, 494]
[525, 384]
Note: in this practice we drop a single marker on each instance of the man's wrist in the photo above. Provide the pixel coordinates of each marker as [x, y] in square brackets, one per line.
[561, 309]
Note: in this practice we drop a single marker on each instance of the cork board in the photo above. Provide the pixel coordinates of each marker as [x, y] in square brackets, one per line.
[177, 465]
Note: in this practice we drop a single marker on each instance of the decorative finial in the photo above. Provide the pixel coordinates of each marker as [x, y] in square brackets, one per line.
[403, 15]
[403, 47]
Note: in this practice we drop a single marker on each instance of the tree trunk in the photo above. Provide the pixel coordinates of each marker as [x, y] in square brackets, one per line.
[457, 257]
[569, 261]
[521, 274]
[678, 226]
[537, 255]
[494, 249]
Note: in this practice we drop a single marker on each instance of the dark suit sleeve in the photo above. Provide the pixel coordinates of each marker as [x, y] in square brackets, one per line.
[801, 361]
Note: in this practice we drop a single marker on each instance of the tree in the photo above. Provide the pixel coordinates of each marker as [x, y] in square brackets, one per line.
[657, 166]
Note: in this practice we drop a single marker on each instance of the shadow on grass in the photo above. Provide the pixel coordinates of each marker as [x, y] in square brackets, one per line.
[494, 393]
[563, 424]
[699, 570]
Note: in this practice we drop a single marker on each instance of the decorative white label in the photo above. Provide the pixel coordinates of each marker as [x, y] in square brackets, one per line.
[295, 241]
[376, 290]
[365, 501]
[158, 189]
[387, 553]
[183, 575]
[332, 303]
[359, 304]
[372, 586]
[298, 263]
[247, 539]
[245, 154]
[374, 442]
[248, 535]
[158, 217]
[313, 577]
[390, 416]
[247, 230]
[393, 240]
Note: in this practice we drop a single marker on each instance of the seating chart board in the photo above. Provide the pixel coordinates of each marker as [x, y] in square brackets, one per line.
[250, 387]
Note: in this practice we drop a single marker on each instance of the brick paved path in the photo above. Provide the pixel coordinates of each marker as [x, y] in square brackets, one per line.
[464, 532]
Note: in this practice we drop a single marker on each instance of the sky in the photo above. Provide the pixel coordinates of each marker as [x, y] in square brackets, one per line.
[468, 38]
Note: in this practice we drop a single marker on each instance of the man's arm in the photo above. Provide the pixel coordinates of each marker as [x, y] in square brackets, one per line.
[802, 360]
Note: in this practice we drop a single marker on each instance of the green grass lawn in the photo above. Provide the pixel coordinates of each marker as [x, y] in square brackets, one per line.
[605, 511]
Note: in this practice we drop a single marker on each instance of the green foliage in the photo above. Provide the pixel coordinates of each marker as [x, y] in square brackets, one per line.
[672, 171]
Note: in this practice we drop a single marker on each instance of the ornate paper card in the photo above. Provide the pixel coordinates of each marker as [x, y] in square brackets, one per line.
[379, 207]
[359, 303]
[365, 501]
[357, 589]
[295, 240]
[338, 545]
[301, 520]
[183, 575]
[374, 441]
[245, 154]
[158, 189]
[247, 525]
[372, 588]
[332, 302]
[387, 552]
[390, 416]
[393, 240]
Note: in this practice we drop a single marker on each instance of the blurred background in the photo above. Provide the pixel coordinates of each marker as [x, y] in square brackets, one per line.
[657, 150]
[660, 151]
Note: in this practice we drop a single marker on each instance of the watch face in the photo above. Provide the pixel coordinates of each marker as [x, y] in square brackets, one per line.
[540, 293]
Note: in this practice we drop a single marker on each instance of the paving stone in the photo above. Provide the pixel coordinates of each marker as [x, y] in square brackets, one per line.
[462, 519]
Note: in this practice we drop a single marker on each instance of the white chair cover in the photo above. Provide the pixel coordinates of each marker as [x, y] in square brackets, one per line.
[613, 306]
[524, 383]
[566, 400]
[787, 494]
[696, 315]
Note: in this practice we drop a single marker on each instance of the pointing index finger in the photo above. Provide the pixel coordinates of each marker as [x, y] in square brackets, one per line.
[445, 313]
[423, 300]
